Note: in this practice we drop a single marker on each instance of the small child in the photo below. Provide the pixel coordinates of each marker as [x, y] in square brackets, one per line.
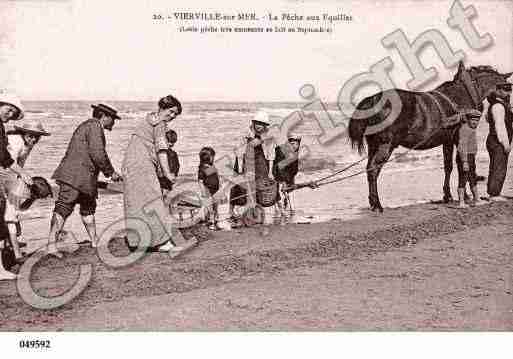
[173, 161]
[466, 157]
[285, 169]
[25, 197]
[209, 182]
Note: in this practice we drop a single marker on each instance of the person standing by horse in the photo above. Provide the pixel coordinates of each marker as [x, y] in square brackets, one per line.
[417, 121]
[498, 142]
[466, 157]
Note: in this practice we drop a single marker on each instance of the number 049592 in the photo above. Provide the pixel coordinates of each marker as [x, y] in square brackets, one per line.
[34, 344]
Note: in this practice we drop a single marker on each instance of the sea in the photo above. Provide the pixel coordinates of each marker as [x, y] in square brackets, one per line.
[221, 125]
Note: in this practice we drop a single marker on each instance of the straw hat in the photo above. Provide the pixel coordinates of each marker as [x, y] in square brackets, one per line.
[13, 100]
[109, 111]
[262, 117]
[33, 127]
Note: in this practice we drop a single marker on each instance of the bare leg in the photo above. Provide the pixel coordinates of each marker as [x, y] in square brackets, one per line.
[461, 198]
[448, 166]
[477, 200]
[90, 227]
[14, 240]
[214, 224]
[56, 225]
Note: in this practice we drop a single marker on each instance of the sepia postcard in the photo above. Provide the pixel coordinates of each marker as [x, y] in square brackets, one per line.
[291, 166]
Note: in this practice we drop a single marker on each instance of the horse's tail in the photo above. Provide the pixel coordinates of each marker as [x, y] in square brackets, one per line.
[356, 130]
[358, 125]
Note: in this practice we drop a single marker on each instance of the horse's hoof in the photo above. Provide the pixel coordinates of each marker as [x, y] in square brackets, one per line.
[378, 209]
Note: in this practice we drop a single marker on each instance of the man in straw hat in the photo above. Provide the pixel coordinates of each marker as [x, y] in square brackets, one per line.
[77, 174]
[10, 110]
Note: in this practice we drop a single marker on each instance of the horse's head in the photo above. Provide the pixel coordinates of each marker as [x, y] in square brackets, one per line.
[480, 80]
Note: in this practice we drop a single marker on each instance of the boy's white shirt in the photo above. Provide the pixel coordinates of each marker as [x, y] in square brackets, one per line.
[499, 114]
[268, 146]
[17, 148]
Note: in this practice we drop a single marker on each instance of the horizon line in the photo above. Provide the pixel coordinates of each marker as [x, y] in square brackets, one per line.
[183, 101]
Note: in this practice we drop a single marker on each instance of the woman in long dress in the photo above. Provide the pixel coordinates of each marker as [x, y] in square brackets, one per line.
[146, 159]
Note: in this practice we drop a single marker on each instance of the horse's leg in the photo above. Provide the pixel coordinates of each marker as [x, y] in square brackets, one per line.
[447, 150]
[373, 189]
[380, 156]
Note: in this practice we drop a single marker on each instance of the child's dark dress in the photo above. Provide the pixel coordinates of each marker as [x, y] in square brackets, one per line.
[174, 167]
[288, 173]
[207, 174]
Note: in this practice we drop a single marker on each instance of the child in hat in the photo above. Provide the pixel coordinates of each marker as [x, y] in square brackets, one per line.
[21, 142]
[466, 157]
[209, 182]
[27, 195]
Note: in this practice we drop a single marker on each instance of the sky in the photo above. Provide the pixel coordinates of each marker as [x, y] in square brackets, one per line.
[114, 50]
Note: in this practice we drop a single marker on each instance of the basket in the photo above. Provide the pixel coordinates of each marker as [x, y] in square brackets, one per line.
[266, 192]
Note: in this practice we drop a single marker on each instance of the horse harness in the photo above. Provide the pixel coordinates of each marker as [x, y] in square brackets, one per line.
[447, 120]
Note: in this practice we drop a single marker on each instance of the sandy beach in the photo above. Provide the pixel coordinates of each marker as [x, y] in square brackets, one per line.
[334, 266]
[418, 267]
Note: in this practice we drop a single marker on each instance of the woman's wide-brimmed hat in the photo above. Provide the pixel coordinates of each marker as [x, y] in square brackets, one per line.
[33, 127]
[109, 111]
[263, 118]
[13, 100]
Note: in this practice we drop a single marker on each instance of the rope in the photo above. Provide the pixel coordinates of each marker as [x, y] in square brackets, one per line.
[317, 184]
[322, 179]
[343, 169]
[450, 121]
[380, 165]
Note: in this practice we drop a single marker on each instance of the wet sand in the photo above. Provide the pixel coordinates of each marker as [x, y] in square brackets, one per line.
[398, 186]
[419, 267]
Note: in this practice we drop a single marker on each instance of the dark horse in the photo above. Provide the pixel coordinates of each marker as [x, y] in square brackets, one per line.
[422, 122]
